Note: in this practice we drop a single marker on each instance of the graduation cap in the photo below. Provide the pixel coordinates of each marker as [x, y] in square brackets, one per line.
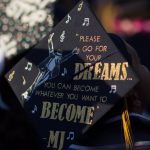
[23, 24]
[72, 78]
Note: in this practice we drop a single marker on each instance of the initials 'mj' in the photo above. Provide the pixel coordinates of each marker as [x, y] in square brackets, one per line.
[56, 139]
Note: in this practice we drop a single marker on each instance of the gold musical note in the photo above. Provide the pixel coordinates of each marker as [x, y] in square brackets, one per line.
[113, 89]
[80, 6]
[70, 136]
[11, 76]
[86, 22]
[29, 66]
[24, 80]
[68, 19]
[62, 37]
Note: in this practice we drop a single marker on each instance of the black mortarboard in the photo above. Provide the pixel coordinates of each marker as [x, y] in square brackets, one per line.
[71, 78]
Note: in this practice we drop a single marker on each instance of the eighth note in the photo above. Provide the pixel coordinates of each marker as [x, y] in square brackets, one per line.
[68, 19]
[86, 22]
[64, 73]
[34, 110]
[70, 136]
[29, 66]
[24, 80]
[113, 89]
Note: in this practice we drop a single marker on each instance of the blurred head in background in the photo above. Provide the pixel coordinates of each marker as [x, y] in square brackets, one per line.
[109, 11]
[130, 19]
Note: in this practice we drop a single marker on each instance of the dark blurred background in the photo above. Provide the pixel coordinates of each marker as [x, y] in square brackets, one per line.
[130, 19]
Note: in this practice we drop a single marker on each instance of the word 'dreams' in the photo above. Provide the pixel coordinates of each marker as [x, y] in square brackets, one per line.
[101, 71]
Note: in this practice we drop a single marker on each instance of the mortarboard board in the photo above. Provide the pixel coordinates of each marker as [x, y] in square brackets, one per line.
[71, 78]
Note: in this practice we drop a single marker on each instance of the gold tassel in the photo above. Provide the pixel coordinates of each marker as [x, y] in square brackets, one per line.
[128, 136]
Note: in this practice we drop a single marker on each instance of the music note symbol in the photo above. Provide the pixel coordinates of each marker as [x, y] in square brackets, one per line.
[29, 66]
[24, 80]
[34, 110]
[11, 76]
[62, 37]
[113, 89]
[64, 73]
[68, 19]
[80, 6]
[76, 51]
[86, 22]
[70, 136]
